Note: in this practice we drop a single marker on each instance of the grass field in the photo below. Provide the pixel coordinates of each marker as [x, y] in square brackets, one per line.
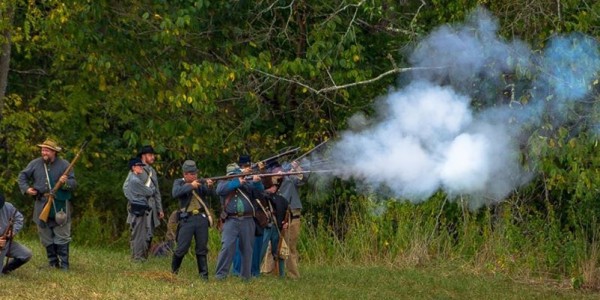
[109, 274]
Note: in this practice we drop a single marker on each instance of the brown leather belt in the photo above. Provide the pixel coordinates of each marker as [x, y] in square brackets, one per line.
[239, 216]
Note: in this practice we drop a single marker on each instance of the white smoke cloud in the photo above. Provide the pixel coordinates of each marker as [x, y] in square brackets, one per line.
[425, 136]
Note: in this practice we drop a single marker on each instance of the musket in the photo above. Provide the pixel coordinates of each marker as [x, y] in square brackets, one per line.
[46, 210]
[285, 173]
[9, 234]
[291, 151]
[311, 150]
[216, 178]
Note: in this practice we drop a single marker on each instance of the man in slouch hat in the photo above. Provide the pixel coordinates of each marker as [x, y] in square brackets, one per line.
[37, 180]
[239, 205]
[193, 217]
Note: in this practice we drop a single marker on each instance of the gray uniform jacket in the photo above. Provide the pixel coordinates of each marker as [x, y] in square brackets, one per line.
[155, 201]
[289, 190]
[183, 192]
[34, 175]
[136, 192]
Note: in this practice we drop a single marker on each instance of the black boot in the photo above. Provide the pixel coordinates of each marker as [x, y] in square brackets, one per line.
[202, 266]
[52, 256]
[63, 253]
[176, 263]
[13, 265]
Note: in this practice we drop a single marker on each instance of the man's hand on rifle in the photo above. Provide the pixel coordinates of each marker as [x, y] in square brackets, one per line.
[256, 178]
[2, 242]
[209, 182]
[195, 184]
[296, 166]
[63, 179]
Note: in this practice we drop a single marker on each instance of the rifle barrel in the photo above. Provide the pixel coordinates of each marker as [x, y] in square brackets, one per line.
[216, 178]
[291, 151]
[311, 150]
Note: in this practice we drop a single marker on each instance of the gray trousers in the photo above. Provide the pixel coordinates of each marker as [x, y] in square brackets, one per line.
[17, 251]
[242, 228]
[52, 233]
[192, 227]
[141, 236]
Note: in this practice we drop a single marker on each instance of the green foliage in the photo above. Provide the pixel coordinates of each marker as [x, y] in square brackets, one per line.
[210, 80]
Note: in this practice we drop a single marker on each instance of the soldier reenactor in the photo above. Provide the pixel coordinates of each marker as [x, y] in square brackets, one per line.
[38, 180]
[238, 200]
[11, 222]
[139, 211]
[194, 217]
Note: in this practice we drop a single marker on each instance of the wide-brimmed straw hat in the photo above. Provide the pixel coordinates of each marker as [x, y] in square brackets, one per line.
[50, 144]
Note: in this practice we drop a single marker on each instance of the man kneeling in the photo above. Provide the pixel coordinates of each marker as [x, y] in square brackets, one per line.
[11, 222]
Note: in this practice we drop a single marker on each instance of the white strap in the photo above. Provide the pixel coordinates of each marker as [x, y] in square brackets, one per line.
[210, 220]
[249, 202]
[50, 187]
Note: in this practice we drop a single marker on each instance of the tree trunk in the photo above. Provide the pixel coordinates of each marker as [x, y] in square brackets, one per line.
[5, 54]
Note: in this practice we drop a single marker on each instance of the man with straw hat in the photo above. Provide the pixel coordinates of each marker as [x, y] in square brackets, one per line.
[37, 180]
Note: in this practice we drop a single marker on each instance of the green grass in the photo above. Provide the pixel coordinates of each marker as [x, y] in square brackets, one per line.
[109, 274]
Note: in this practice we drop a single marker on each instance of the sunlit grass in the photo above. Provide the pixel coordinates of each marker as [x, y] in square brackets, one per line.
[109, 274]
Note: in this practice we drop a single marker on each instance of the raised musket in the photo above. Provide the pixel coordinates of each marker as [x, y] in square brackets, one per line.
[292, 173]
[46, 210]
[282, 154]
[310, 151]
[249, 175]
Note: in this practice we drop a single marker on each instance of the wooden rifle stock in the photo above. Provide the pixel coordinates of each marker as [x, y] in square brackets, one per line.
[46, 210]
[9, 227]
[8, 235]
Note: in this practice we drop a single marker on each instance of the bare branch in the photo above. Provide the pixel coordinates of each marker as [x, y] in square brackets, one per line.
[287, 80]
[336, 87]
[345, 86]
[414, 20]
[353, 19]
[34, 71]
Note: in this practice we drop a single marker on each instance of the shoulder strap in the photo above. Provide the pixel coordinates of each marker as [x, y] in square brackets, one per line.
[262, 207]
[210, 220]
[249, 202]
[199, 200]
[149, 180]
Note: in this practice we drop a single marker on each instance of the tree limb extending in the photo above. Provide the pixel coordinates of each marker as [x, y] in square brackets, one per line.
[336, 87]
